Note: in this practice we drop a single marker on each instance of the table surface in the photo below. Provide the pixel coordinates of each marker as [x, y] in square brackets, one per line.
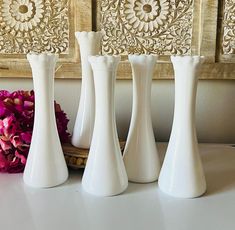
[142, 206]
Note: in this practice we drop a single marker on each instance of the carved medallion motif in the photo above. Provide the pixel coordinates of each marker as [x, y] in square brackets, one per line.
[229, 27]
[147, 26]
[34, 25]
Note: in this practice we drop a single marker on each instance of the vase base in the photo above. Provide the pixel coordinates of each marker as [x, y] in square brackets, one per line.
[141, 181]
[105, 194]
[183, 195]
[47, 184]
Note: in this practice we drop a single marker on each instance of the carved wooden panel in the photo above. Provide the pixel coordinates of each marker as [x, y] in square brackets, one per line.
[38, 26]
[229, 27]
[227, 31]
[147, 26]
[163, 27]
[41, 26]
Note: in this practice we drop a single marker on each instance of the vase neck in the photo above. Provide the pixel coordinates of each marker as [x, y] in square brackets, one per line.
[142, 81]
[43, 70]
[90, 44]
[104, 70]
[142, 72]
[186, 77]
[185, 96]
[104, 91]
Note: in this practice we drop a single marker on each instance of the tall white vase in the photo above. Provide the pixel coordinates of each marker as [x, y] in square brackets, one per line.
[182, 173]
[45, 165]
[140, 155]
[90, 43]
[105, 173]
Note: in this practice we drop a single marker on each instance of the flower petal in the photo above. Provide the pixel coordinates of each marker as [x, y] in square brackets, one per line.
[26, 137]
[5, 145]
[22, 157]
[16, 141]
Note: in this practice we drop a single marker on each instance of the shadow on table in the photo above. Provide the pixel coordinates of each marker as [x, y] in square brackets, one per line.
[134, 188]
[219, 165]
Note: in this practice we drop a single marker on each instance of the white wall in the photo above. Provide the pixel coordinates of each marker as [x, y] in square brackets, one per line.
[215, 111]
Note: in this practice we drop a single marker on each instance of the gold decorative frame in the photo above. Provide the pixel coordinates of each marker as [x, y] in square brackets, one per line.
[164, 27]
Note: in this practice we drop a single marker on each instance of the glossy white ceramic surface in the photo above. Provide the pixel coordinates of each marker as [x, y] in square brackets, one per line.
[142, 206]
[90, 43]
[105, 174]
[46, 165]
[140, 155]
[182, 173]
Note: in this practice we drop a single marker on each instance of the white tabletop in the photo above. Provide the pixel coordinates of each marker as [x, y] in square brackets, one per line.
[141, 207]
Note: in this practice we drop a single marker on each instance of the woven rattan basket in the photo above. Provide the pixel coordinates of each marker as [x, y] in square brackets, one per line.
[76, 158]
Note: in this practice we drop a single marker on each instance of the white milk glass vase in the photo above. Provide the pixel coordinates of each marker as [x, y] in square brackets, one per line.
[46, 166]
[105, 173]
[182, 173]
[90, 44]
[140, 155]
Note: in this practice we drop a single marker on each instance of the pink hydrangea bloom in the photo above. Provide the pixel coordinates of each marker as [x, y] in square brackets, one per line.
[16, 126]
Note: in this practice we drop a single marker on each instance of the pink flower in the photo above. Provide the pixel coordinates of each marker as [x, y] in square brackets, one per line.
[26, 137]
[21, 157]
[61, 121]
[8, 126]
[4, 94]
[18, 101]
[15, 166]
[5, 145]
[16, 125]
[16, 141]
[3, 162]
[4, 111]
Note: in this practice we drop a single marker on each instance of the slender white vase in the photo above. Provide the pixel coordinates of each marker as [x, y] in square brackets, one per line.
[90, 43]
[140, 155]
[105, 173]
[182, 173]
[46, 166]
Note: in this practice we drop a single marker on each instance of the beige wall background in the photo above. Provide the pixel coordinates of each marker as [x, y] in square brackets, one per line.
[215, 109]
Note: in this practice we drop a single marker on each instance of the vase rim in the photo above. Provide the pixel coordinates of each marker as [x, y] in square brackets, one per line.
[87, 34]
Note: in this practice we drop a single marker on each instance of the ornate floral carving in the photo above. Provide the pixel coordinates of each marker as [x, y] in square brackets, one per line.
[146, 14]
[22, 14]
[147, 26]
[229, 28]
[34, 25]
